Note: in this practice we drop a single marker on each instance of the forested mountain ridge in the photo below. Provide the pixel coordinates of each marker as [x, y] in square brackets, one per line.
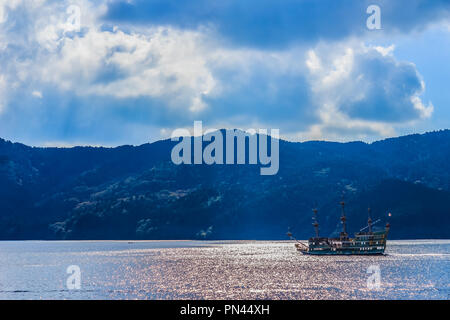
[136, 192]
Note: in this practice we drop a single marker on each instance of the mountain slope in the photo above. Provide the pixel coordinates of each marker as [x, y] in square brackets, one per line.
[138, 193]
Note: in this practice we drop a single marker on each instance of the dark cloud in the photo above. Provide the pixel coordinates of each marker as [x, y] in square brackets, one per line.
[272, 23]
[390, 87]
[278, 100]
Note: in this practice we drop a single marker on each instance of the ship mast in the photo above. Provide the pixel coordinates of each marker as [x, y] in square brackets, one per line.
[369, 220]
[388, 225]
[316, 224]
[343, 219]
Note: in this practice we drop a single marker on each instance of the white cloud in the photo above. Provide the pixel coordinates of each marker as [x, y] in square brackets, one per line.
[37, 94]
[160, 62]
[425, 111]
[164, 63]
[385, 50]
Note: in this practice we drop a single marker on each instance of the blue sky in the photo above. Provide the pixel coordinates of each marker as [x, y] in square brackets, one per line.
[112, 72]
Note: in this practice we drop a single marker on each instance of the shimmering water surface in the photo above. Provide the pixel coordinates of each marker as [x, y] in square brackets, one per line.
[218, 270]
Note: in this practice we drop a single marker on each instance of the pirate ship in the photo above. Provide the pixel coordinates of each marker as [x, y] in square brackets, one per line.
[364, 243]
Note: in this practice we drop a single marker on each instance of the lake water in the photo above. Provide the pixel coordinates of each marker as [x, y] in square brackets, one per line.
[219, 270]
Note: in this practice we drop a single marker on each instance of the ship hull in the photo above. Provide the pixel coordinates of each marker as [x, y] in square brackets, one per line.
[343, 253]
